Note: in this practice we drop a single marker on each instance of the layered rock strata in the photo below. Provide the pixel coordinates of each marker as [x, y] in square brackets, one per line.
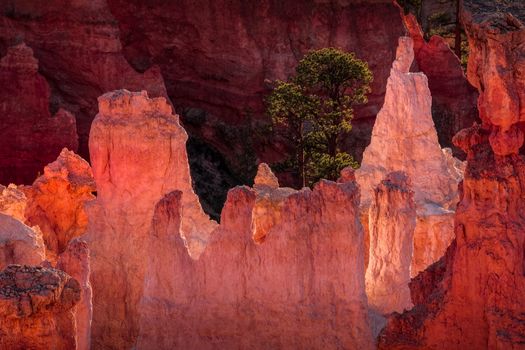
[478, 301]
[36, 308]
[302, 286]
[392, 224]
[138, 155]
[30, 137]
[404, 139]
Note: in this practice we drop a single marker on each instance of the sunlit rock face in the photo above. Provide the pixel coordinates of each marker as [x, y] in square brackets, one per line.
[302, 286]
[392, 223]
[56, 201]
[36, 308]
[404, 139]
[138, 155]
[75, 261]
[477, 295]
[30, 137]
[19, 244]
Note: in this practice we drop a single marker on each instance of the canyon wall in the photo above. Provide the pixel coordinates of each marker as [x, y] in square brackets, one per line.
[30, 137]
[474, 296]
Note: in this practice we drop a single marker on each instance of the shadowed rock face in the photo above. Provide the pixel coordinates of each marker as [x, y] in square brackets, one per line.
[30, 137]
[478, 296]
[36, 308]
[219, 55]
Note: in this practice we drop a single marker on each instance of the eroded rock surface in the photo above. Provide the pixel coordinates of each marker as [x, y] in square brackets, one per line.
[392, 223]
[138, 155]
[30, 137]
[282, 292]
[36, 308]
[56, 201]
[404, 139]
[13, 202]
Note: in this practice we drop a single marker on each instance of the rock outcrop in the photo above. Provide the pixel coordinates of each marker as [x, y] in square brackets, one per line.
[392, 224]
[56, 201]
[19, 244]
[30, 137]
[36, 308]
[300, 287]
[477, 298]
[138, 155]
[404, 139]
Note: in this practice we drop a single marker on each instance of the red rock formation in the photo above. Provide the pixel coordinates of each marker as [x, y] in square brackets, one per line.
[30, 136]
[75, 261]
[19, 244]
[392, 224]
[138, 155]
[36, 308]
[78, 48]
[453, 98]
[56, 201]
[480, 300]
[301, 287]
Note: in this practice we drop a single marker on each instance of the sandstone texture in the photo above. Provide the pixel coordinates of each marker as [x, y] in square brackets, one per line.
[473, 298]
[392, 223]
[138, 155]
[404, 139]
[56, 201]
[30, 136]
[13, 202]
[36, 308]
[19, 244]
[282, 291]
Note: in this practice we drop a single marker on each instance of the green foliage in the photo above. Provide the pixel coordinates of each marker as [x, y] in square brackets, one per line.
[315, 107]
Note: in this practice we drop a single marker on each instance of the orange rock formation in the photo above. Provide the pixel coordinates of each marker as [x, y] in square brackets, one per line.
[36, 308]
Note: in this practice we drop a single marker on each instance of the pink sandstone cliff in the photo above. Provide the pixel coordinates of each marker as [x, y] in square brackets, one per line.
[30, 137]
[474, 297]
[36, 308]
[302, 286]
[404, 139]
[138, 155]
